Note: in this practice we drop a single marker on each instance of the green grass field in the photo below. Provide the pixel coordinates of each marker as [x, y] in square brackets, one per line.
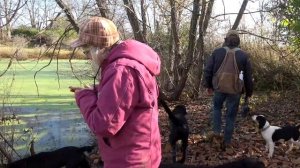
[49, 90]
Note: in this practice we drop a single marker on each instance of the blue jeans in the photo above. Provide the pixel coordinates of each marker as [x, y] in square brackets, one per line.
[232, 104]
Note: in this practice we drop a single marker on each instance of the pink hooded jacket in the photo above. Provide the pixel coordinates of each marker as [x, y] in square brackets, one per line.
[123, 112]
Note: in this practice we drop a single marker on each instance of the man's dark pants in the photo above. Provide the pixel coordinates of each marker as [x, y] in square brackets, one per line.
[232, 103]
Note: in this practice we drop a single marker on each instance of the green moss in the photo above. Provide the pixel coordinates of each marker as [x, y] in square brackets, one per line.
[49, 89]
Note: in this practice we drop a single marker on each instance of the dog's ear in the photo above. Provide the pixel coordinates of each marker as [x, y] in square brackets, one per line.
[261, 121]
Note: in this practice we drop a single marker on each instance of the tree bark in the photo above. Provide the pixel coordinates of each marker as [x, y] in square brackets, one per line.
[203, 25]
[190, 51]
[240, 14]
[143, 12]
[134, 22]
[169, 61]
[68, 13]
[32, 13]
[102, 7]
[175, 37]
[5, 154]
[10, 12]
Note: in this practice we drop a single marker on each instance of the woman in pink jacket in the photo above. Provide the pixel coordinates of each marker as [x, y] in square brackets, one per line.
[122, 111]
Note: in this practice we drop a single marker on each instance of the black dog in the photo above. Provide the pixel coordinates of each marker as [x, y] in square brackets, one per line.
[241, 163]
[70, 157]
[179, 129]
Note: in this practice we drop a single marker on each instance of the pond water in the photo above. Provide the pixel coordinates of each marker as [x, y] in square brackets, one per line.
[49, 129]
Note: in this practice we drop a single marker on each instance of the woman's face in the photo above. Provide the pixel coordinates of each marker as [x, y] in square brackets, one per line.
[96, 56]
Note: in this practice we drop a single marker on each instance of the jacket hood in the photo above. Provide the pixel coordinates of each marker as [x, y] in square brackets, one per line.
[138, 51]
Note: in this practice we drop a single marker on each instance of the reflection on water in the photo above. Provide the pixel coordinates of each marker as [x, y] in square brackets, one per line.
[50, 130]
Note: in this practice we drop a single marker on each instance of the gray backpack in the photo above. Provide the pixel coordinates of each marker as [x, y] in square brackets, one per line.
[228, 78]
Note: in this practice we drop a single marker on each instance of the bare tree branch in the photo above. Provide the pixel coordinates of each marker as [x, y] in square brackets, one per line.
[240, 14]
[262, 37]
[245, 13]
[57, 46]
[134, 21]
[14, 13]
[4, 153]
[8, 66]
[68, 13]
[49, 26]
[6, 142]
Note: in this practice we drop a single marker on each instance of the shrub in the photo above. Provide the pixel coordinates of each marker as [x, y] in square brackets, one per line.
[273, 71]
[25, 32]
[38, 52]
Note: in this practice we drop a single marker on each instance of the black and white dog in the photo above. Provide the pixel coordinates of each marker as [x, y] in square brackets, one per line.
[272, 134]
[70, 157]
[179, 129]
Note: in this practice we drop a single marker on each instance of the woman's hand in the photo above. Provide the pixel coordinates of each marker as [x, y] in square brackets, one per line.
[78, 89]
[75, 89]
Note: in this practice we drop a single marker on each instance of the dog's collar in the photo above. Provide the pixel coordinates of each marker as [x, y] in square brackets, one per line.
[262, 130]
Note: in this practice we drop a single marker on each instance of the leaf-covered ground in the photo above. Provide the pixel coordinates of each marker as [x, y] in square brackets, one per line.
[279, 108]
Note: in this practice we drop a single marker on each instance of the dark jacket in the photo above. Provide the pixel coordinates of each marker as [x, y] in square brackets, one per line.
[215, 60]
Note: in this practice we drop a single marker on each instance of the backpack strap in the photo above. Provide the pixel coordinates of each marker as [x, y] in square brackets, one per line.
[233, 50]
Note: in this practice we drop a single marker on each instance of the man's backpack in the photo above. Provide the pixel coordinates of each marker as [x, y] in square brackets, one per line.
[226, 79]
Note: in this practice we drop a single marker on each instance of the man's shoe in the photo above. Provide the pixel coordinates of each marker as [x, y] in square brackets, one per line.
[225, 146]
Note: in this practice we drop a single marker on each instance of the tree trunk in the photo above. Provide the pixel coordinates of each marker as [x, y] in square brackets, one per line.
[32, 13]
[1, 33]
[102, 7]
[169, 62]
[8, 31]
[10, 14]
[134, 22]
[240, 14]
[143, 12]
[175, 37]
[190, 51]
[68, 13]
[203, 24]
